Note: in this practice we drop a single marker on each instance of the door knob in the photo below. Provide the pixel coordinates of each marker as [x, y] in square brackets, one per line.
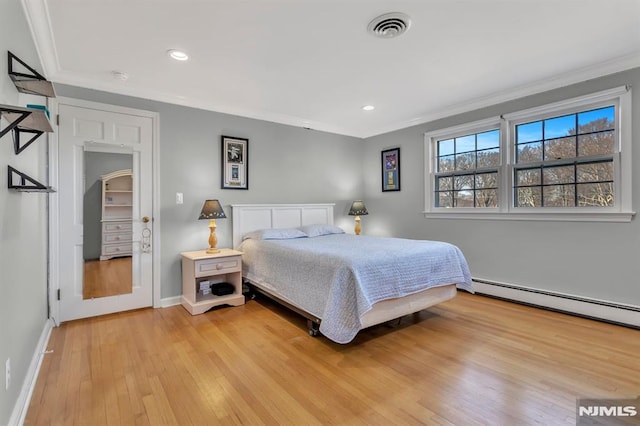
[145, 219]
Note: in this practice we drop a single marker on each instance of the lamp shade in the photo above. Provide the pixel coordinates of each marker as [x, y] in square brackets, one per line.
[358, 209]
[212, 210]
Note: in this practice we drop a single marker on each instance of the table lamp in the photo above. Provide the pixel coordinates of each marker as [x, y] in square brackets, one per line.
[357, 209]
[212, 210]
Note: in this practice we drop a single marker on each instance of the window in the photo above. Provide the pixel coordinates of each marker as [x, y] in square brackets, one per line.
[569, 160]
[467, 170]
[566, 161]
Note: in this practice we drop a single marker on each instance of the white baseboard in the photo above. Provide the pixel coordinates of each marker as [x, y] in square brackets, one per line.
[22, 404]
[593, 308]
[170, 301]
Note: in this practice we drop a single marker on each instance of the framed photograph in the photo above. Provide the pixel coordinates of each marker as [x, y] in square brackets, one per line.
[391, 170]
[235, 163]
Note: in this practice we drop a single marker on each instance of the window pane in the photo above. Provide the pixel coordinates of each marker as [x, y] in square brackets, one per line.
[595, 172]
[560, 148]
[562, 174]
[560, 126]
[464, 199]
[529, 152]
[529, 197]
[489, 139]
[559, 196]
[457, 170]
[445, 147]
[528, 177]
[598, 119]
[466, 161]
[444, 183]
[445, 164]
[466, 143]
[487, 180]
[529, 132]
[445, 199]
[596, 144]
[487, 198]
[489, 158]
[595, 194]
[463, 182]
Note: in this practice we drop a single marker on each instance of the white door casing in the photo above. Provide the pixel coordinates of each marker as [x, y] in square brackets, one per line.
[115, 129]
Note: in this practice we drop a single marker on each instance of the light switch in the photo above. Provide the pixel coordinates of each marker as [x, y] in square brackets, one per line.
[179, 198]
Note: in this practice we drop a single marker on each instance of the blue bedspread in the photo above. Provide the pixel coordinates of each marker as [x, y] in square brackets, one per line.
[339, 277]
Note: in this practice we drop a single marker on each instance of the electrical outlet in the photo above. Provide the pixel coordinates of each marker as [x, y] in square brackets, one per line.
[7, 373]
[179, 198]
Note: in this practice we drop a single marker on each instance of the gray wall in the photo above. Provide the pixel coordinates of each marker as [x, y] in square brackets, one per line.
[97, 164]
[23, 225]
[286, 165]
[597, 260]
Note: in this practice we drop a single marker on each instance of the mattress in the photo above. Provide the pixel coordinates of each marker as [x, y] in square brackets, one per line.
[339, 277]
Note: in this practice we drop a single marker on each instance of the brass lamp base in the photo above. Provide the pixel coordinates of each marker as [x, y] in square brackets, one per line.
[213, 240]
[357, 229]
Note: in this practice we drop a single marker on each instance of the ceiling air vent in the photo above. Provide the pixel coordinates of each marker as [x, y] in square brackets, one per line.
[389, 25]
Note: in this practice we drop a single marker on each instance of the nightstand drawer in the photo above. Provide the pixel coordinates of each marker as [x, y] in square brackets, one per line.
[222, 265]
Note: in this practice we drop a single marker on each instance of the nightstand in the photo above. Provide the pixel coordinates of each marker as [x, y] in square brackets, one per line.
[198, 267]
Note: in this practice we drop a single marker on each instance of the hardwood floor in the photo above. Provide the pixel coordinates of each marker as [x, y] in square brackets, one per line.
[107, 277]
[472, 360]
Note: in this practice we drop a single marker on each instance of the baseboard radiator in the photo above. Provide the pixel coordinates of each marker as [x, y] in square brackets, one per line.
[617, 313]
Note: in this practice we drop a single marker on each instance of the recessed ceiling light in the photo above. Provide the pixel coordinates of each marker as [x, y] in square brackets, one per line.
[368, 107]
[178, 55]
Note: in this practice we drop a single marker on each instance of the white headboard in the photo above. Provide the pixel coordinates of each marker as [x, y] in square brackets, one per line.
[251, 217]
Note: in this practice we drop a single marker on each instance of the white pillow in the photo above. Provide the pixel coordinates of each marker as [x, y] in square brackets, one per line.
[275, 234]
[317, 230]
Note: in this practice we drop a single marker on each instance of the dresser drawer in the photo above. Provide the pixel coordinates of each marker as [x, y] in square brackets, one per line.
[116, 226]
[116, 249]
[116, 237]
[222, 265]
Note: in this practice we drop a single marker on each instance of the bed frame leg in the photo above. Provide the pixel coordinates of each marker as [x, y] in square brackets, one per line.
[313, 327]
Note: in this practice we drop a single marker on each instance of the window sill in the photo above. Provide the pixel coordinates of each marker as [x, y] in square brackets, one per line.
[537, 216]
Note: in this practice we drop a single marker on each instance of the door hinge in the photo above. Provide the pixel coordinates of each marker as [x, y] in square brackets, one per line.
[58, 294]
[57, 119]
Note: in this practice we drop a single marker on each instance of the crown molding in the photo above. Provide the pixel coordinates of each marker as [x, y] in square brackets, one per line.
[37, 15]
[561, 80]
[121, 88]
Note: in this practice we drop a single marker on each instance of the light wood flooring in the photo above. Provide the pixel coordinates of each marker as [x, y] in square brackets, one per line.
[472, 360]
[107, 277]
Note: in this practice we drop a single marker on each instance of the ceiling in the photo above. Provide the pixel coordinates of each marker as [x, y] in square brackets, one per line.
[312, 63]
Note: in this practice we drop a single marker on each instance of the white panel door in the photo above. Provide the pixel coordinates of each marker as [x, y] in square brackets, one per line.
[106, 131]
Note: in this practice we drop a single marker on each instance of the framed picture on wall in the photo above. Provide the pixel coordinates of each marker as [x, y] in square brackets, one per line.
[391, 170]
[235, 163]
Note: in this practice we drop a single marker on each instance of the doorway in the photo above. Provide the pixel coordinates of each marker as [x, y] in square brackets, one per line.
[105, 203]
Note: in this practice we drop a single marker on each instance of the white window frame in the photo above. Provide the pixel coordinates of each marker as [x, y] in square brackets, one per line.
[621, 211]
[431, 158]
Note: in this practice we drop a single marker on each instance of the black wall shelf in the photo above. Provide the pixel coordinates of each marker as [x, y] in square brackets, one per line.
[29, 121]
[26, 183]
[30, 81]
[24, 120]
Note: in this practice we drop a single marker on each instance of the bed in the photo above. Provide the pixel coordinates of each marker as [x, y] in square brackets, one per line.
[341, 283]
